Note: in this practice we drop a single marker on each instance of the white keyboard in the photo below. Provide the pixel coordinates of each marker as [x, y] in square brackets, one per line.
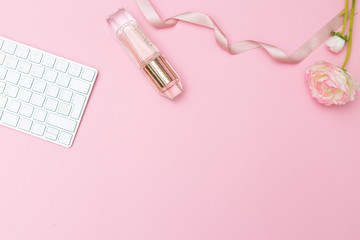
[42, 94]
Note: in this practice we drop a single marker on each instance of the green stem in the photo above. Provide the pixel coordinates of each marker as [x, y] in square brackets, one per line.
[346, 16]
[350, 33]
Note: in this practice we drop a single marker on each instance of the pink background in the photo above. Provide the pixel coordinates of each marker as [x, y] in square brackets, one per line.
[244, 153]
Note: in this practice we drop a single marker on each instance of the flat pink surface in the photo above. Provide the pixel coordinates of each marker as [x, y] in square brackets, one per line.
[246, 153]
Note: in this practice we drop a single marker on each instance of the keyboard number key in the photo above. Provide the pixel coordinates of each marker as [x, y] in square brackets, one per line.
[50, 76]
[39, 86]
[25, 124]
[24, 67]
[48, 61]
[63, 80]
[37, 71]
[11, 62]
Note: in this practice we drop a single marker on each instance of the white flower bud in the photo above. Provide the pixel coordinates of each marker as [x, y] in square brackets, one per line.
[335, 44]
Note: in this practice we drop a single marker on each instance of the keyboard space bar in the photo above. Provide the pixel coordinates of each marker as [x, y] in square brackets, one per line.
[61, 122]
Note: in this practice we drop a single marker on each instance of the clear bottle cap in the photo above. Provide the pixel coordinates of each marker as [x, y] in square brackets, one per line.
[119, 18]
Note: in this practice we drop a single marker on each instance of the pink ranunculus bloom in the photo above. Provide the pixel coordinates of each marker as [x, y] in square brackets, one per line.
[330, 84]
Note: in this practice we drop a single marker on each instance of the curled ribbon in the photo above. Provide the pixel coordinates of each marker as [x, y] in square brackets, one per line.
[204, 20]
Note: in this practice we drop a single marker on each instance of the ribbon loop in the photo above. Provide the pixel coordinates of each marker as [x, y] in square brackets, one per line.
[204, 20]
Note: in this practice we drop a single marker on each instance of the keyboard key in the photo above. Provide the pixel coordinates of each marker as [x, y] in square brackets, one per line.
[9, 47]
[13, 106]
[24, 67]
[64, 109]
[10, 119]
[22, 52]
[1, 113]
[37, 71]
[75, 70]
[38, 129]
[39, 86]
[26, 110]
[51, 133]
[1, 42]
[52, 91]
[65, 95]
[26, 81]
[79, 86]
[11, 90]
[88, 75]
[24, 95]
[3, 101]
[63, 80]
[13, 77]
[51, 104]
[61, 65]
[50, 136]
[38, 100]
[2, 87]
[48, 61]
[78, 102]
[61, 122]
[50, 76]
[35, 56]
[52, 130]
[25, 124]
[2, 58]
[11, 62]
[3, 72]
[65, 138]
[40, 114]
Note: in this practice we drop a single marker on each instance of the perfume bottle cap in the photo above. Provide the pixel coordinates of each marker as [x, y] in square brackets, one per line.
[119, 18]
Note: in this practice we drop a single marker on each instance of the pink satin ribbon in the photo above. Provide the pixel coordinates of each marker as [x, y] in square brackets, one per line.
[204, 20]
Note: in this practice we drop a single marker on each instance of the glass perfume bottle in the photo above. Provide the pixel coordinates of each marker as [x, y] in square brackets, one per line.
[145, 54]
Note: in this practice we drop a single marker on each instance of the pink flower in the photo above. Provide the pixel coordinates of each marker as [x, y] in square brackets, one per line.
[330, 84]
